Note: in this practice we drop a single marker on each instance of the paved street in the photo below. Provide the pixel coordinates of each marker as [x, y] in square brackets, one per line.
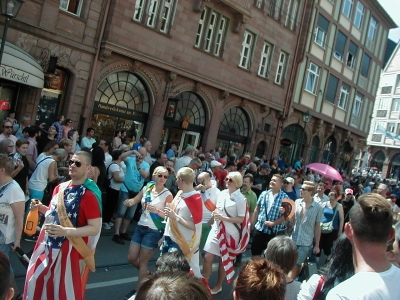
[114, 277]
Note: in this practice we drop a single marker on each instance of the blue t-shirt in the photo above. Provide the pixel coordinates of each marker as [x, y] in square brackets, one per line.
[133, 179]
[136, 146]
[170, 153]
[292, 195]
[328, 215]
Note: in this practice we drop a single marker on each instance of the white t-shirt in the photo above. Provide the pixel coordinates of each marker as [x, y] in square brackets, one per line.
[40, 176]
[212, 194]
[107, 159]
[11, 194]
[114, 167]
[156, 200]
[369, 285]
[183, 211]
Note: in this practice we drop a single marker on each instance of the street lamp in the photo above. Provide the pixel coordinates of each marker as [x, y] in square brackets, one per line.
[9, 9]
[306, 118]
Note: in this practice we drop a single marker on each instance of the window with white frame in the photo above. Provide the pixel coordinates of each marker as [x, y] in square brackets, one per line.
[340, 45]
[373, 23]
[281, 69]
[156, 14]
[383, 106]
[344, 96]
[72, 6]
[312, 78]
[265, 61]
[358, 18]
[211, 31]
[396, 104]
[347, 8]
[397, 88]
[247, 50]
[391, 127]
[292, 14]
[358, 104]
[379, 126]
[321, 31]
[351, 55]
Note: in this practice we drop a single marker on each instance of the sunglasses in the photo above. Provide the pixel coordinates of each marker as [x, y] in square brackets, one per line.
[286, 182]
[228, 180]
[159, 176]
[334, 195]
[78, 164]
[8, 127]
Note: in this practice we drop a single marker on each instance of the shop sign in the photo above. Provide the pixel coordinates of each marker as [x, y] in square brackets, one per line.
[14, 75]
[286, 142]
[117, 110]
[232, 137]
[4, 105]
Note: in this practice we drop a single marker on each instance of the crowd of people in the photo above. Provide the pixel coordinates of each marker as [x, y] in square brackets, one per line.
[193, 206]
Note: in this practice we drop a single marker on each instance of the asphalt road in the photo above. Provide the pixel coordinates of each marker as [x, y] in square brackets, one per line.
[114, 276]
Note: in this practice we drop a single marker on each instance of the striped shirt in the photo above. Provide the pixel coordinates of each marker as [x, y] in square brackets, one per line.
[303, 232]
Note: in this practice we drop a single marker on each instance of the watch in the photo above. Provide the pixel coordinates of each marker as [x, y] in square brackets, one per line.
[178, 218]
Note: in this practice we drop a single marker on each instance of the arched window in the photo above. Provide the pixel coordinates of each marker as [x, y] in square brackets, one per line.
[261, 148]
[190, 105]
[378, 160]
[314, 149]
[296, 134]
[329, 150]
[235, 121]
[123, 89]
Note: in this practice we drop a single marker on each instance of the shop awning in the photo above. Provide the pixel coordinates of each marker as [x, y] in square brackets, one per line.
[18, 66]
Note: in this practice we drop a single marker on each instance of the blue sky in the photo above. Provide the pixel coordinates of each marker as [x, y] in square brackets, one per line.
[393, 8]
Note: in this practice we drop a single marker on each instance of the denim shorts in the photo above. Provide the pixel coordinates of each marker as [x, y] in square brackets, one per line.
[146, 238]
[122, 210]
[6, 248]
[169, 245]
[303, 253]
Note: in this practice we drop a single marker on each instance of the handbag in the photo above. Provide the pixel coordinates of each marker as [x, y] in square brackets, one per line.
[131, 193]
[328, 226]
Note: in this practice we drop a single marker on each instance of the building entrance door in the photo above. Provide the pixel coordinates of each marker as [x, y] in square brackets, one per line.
[188, 138]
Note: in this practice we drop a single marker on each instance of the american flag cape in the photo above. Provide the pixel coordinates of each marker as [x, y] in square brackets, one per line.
[56, 270]
[231, 248]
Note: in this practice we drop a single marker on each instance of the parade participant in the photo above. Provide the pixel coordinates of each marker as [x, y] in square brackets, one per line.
[149, 230]
[64, 252]
[307, 225]
[369, 229]
[207, 192]
[183, 228]
[267, 220]
[230, 232]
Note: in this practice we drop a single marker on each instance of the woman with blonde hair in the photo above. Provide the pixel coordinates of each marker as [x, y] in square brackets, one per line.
[229, 234]
[150, 228]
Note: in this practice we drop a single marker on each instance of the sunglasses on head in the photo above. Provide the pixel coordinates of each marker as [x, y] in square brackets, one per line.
[160, 175]
[78, 164]
[228, 179]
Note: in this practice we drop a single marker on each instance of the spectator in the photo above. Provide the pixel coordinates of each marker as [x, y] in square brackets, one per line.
[73, 135]
[6, 291]
[105, 145]
[282, 251]
[172, 150]
[172, 285]
[396, 244]
[218, 153]
[170, 184]
[45, 137]
[383, 190]
[7, 133]
[6, 146]
[117, 140]
[18, 128]
[58, 124]
[88, 140]
[320, 196]
[298, 165]
[288, 188]
[139, 143]
[148, 146]
[248, 193]
[260, 279]
[161, 159]
[261, 179]
[185, 160]
[21, 165]
[369, 230]
[347, 204]
[66, 127]
[297, 184]
[47, 150]
[32, 152]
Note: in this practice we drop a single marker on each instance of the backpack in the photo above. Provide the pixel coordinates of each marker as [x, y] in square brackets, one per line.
[107, 181]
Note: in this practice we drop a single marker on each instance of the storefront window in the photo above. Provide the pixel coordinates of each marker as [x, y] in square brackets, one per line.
[378, 160]
[329, 150]
[295, 133]
[314, 150]
[395, 167]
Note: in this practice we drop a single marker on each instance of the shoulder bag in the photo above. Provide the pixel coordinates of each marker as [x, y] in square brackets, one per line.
[328, 226]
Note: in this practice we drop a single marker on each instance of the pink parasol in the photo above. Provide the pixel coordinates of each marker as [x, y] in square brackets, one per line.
[325, 170]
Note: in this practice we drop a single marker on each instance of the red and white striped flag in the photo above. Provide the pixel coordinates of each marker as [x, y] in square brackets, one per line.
[230, 249]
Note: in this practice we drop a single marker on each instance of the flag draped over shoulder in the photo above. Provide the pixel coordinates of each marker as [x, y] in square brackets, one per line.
[229, 247]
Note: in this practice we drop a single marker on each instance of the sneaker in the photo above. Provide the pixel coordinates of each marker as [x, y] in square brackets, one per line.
[130, 294]
[116, 238]
[111, 224]
[125, 236]
[106, 226]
